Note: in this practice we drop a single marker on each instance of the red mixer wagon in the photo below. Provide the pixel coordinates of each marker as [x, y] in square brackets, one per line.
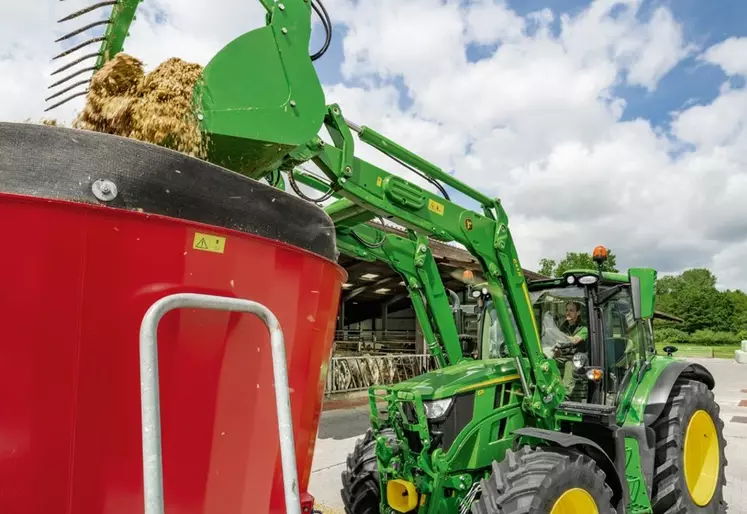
[99, 230]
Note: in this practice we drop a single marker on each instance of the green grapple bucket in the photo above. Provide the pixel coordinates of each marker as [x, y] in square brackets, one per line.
[260, 96]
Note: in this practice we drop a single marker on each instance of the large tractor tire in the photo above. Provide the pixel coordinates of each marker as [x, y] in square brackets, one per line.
[549, 480]
[689, 461]
[360, 480]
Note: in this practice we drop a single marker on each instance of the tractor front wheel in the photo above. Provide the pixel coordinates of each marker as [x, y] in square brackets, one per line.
[360, 480]
[549, 480]
[689, 458]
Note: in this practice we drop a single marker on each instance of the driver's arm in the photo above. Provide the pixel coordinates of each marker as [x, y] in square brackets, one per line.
[580, 335]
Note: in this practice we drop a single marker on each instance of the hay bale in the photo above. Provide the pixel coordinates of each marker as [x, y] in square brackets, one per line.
[156, 107]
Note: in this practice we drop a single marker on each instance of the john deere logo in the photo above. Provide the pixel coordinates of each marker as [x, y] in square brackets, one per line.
[468, 224]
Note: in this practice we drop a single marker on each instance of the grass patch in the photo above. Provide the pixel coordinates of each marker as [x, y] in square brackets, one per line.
[694, 350]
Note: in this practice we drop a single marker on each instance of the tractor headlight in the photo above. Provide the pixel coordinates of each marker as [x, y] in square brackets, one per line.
[437, 408]
[580, 360]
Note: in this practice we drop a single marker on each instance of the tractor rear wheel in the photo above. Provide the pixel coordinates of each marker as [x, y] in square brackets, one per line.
[360, 480]
[689, 461]
[548, 480]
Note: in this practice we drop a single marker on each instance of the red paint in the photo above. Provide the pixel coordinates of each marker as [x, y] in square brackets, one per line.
[76, 282]
[307, 503]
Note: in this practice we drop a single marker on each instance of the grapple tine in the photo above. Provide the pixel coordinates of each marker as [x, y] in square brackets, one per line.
[83, 29]
[63, 91]
[87, 10]
[61, 81]
[66, 100]
[73, 63]
[78, 47]
[111, 42]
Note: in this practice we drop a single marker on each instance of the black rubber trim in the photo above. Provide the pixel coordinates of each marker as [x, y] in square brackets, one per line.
[600, 414]
[62, 164]
[615, 476]
[659, 395]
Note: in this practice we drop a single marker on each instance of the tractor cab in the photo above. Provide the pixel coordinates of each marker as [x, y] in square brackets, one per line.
[597, 326]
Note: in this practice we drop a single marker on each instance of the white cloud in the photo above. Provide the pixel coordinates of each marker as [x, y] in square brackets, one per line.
[537, 122]
[730, 55]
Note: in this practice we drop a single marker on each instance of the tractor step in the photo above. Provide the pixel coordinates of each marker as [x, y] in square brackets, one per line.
[603, 413]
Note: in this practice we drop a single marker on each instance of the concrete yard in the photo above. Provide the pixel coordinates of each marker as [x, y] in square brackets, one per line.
[340, 428]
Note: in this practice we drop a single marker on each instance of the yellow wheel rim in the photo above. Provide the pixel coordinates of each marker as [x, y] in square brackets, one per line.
[575, 501]
[701, 458]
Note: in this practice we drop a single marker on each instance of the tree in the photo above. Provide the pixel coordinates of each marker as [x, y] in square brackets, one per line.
[693, 297]
[546, 267]
[739, 302]
[573, 260]
[700, 277]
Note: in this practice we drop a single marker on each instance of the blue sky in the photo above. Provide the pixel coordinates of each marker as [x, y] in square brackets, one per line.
[690, 82]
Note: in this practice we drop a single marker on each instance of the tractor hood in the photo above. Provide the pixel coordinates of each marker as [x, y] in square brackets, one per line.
[465, 376]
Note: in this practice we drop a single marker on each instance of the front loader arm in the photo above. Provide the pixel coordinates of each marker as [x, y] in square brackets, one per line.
[410, 257]
[486, 236]
[413, 261]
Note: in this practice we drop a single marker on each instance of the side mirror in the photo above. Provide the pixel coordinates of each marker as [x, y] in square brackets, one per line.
[643, 291]
[670, 350]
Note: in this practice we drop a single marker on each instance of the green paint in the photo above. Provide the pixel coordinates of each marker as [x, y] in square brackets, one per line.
[639, 500]
[459, 378]
[633, 415]
[120, 19]
[643, 283]
[260, 96]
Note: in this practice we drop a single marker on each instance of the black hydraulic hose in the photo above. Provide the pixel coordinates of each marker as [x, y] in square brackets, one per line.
[318, 7]
[294, 186]
[373, 246]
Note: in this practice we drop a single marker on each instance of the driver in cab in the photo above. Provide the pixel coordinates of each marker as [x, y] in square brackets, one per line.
[578, 333]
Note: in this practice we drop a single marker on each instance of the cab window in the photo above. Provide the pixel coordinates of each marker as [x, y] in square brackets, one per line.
[626, 340]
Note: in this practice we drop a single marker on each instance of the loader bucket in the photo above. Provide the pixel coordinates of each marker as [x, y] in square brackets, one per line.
[260, 96]
[100, 230]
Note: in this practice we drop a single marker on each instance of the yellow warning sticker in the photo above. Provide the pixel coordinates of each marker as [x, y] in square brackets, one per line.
[209, 243]
[436, 207]
[379, 181]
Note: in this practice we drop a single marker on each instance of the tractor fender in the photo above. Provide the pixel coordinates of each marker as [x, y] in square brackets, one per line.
[659, 395]
[591, 449]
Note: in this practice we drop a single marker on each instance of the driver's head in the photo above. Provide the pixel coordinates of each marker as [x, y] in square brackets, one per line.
[571, 312]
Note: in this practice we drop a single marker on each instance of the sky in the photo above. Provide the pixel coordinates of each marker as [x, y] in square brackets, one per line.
[616, 123]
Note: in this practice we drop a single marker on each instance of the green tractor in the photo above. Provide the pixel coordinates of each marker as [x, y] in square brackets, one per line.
[638, 433]
[505, 433]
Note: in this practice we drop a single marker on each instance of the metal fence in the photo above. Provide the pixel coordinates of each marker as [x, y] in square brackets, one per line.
[347, 374]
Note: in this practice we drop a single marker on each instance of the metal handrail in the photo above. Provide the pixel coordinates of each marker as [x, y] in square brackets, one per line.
[150, 402]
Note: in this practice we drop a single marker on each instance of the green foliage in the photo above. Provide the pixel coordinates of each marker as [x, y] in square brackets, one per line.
[546, 267]
[739, 318]
[574, 260]
[693, 297]
[712, 338]
[672, 336]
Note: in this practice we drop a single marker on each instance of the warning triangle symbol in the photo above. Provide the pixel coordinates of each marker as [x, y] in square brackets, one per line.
[202, 244]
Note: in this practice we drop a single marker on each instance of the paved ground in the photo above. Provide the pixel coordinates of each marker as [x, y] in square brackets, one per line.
[340, 428]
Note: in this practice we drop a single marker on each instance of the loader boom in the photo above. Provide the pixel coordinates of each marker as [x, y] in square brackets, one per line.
[486, 236]
[410, 257]
[413, 261]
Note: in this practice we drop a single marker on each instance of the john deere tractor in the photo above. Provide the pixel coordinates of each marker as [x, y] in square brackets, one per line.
[643, 434]
[512, 432]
